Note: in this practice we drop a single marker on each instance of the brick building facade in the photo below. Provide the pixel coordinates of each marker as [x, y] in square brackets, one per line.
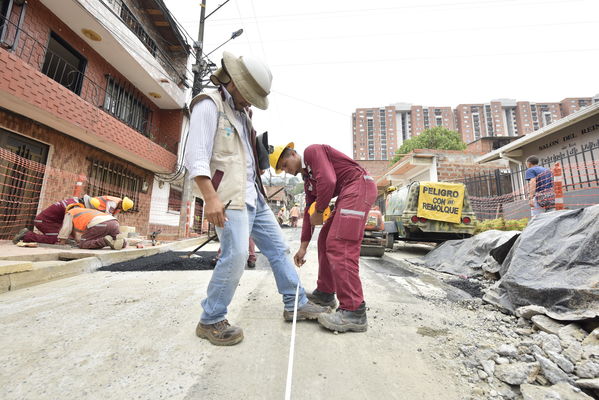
[91, 90]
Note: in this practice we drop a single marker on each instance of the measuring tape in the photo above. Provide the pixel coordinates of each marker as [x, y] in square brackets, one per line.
[292, 346]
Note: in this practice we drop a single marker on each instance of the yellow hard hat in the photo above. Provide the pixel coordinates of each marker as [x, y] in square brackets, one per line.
[127, 204]
[95, 202]
[276, 154]
[391, 189]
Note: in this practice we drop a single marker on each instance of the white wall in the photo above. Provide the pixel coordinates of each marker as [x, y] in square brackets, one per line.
[159, 213]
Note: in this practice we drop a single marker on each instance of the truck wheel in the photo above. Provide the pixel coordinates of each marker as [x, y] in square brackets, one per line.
[372, 251]
[389, 240]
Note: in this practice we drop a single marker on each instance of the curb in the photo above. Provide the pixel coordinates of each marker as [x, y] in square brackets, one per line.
[46, 270]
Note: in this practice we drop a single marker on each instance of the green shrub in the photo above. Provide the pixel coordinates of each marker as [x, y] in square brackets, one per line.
[501, 224]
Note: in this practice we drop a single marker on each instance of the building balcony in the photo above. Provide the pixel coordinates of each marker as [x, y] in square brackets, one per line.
[47, 86]
[111, 29]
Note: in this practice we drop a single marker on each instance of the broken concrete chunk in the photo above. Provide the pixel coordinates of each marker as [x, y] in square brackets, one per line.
[547, 324]
[588, 369]
[550, 342]
[517, 373]
[588, 383]
[551, 371]
[561, 361]
[507, 350]
[561, 391]
[573, 352]
[468, 350]
[482, 374]
[488, 367]
[572, 331]
[590, 351]
[530, 311]
[592, 338]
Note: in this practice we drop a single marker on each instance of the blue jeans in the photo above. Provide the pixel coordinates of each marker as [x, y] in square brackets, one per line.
[267, 235]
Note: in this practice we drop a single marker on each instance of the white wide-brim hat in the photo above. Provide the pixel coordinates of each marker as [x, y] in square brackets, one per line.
[251, 77]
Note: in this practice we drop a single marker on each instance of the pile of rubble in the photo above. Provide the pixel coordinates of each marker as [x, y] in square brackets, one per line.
[540, 359]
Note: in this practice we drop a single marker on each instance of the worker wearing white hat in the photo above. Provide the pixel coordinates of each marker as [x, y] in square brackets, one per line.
[221, 158]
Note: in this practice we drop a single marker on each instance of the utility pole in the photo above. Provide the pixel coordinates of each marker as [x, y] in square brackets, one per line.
[198, 67]
[185, 224]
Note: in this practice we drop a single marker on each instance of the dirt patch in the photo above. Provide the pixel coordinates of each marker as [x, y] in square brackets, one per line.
[472, 287]
[432, 332]
[169, 261]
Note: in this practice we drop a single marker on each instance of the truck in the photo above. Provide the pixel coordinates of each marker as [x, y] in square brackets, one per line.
[373, 243]
[443, 213]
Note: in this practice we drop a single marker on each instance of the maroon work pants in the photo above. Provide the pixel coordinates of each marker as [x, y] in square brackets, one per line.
[93, 238]
[49, 232]
[339, 243]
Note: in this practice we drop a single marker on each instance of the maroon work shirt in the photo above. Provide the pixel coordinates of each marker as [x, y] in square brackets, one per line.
[326, 173]
[55, 213]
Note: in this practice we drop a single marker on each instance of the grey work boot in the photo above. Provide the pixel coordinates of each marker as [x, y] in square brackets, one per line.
[220, 333]
[115, 244]
[322, 298]
[345, 320]
[307, 311]
[17, 238]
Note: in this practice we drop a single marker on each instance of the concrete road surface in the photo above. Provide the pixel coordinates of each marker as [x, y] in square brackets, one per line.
[109, 335]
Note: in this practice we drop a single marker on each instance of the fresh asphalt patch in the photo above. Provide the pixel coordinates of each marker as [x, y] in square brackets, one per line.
[168, 261]
[473, 288]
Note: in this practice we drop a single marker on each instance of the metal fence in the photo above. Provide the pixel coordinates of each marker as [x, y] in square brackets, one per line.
[491, 194]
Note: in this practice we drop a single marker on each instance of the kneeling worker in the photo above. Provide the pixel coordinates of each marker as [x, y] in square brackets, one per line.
[108, 204]
[93, 229]
[328, 173]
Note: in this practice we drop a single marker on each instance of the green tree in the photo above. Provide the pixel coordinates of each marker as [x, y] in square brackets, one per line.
[298, 188]
[433, 138]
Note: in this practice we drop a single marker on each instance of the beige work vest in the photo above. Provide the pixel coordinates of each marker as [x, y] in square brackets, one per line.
[228, 153]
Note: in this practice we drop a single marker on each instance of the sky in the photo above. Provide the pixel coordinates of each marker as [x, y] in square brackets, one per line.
[330, 57]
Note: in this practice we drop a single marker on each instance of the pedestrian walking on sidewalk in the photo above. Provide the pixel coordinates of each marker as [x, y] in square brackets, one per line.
[221, 157]
[294, 214]
[540, 187]
[92, 229]
[328, 173]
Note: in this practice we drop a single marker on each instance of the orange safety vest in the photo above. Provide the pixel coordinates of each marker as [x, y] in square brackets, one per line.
[105, 199]
[83, 216]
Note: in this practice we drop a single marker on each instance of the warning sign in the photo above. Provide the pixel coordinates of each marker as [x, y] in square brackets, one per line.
[441, 201]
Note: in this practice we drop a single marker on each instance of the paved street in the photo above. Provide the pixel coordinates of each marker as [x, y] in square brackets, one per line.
[110, 335]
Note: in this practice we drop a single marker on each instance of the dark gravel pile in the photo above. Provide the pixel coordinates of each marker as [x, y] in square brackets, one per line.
[472, 287]
[169, 261]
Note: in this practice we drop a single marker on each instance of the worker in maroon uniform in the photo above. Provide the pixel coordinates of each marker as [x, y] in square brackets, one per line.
[328, 173]
[48, 222]
[92, 229]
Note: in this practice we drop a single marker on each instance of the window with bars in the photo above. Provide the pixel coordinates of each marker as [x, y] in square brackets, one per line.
[175, 197]
[106, 178]
[126, 106]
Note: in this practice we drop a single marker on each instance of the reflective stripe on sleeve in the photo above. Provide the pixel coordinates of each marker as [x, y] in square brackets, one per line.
[345, 211]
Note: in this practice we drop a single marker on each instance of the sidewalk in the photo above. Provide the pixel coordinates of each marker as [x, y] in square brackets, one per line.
[22, 266]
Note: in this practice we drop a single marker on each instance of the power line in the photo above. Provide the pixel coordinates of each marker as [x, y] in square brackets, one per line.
[258, 30]
[443, 57]
[243, 25]
[361, 12]
[403, 33]
[312, 104]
